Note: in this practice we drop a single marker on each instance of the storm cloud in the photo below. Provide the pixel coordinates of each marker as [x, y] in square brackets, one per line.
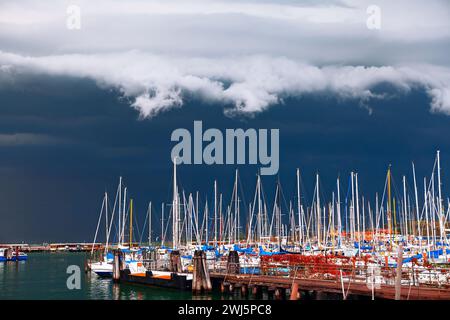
[245, 54]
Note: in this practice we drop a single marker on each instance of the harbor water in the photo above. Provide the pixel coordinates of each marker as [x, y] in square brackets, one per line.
[45, 276]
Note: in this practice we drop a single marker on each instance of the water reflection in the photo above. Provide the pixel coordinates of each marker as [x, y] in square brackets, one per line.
[116, 291]
[44, 276]
[99, 288]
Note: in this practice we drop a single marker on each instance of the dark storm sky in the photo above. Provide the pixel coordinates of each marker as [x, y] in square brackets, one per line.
[51, 188]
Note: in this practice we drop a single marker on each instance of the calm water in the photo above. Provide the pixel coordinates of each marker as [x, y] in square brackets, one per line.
[44, 276]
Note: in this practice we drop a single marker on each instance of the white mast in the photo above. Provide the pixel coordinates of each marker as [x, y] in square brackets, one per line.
[236, 205]
[352, 211]
[259, 209]
[357, 211]
[339, 212]
[238, 227]
[215, 213]
[120, 208]
[199, 231]
[425, 195]
[206, 220]
[98, 225]
[318, 209]
[220, 219]
[175, 217]
[417, 207]
[162, 224]
[300, 226]
[123, 215]
[107, 224]
[405, 210]
[441, 214]
[149, 224]
[363, 221]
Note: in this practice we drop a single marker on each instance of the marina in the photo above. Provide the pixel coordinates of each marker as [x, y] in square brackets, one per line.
[215, 159]
[346, 247]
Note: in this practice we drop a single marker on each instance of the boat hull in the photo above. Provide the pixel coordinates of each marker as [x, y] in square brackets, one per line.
[175, 281]
[102, 269]
[19, 258]
[103, 274]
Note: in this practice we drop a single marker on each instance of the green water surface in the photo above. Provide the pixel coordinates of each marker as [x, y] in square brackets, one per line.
[44, 276]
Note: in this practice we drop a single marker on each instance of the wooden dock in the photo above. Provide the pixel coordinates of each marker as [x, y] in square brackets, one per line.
[330, 287]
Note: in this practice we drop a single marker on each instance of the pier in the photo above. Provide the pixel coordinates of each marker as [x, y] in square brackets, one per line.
[258, 283]
[342, 249]
[344, 281]
[54, 247]
[321, 279]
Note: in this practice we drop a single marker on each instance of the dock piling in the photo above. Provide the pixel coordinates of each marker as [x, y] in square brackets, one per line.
[295, 294]
[233, 266]
[398, 278]
[201, 280]
[117, 265]
[244, 290]
[175, 261]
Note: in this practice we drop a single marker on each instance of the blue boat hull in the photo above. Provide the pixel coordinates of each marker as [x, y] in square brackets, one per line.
[104, 274]
[2, 259]
[20, 258]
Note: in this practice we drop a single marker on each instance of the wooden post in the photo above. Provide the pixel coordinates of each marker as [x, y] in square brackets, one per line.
[117, 265]
[295, 294]
[223, 288]
[255, 290]
[398, 278]
[244, 290]
[233, 266]
[8, 253]
[196, 277]
[279, 293]
[201, 280]
[175, 261]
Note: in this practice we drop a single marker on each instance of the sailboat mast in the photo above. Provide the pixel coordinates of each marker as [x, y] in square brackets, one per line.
[106, 221]
[352, 209]
[318, 209]
[162, 224]
[236, 203]
[405, 208]
[131, 223]
[389, 203]
[149, 224]
[215, 213]
[300, 227]
[120, 207]
[417, 207]
[123, 215]
[357, 211]
[441, 214]
[339, 213]
[175, 207]
[259, 209]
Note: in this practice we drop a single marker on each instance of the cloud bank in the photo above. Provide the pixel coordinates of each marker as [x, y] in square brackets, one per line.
[245, 54]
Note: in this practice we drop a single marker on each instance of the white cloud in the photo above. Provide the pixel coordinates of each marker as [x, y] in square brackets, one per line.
[251, 83]
[247, 53]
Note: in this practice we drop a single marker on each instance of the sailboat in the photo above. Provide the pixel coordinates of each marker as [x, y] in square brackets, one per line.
[104, 267]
